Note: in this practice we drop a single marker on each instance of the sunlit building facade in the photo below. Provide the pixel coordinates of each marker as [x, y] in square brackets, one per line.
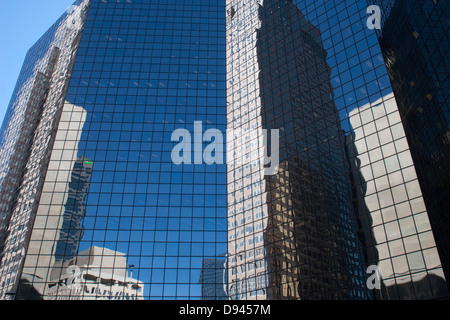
[28, 137]
[294, 225]
[395, 223]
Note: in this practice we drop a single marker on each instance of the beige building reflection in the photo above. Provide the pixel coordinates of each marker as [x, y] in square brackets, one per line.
[95, 274]
[53, 256]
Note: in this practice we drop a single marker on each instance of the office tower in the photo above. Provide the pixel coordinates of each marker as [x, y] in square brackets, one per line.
[294, 252]
[294, 233]
[415, 45]
[94, 274]
[120, 79]
[27, 138]
[395, 221]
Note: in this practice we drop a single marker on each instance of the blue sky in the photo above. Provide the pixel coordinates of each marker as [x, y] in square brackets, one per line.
[22, 23]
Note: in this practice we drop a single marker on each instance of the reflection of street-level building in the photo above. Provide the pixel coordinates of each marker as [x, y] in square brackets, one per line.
[95, 274]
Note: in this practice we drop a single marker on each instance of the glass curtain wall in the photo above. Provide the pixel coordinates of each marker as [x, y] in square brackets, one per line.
[117, 219]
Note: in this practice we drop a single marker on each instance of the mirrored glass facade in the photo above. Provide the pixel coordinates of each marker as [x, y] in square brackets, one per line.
[394, 221]
[229, 150]
[27, 138]
[294, 225]
[116, 218]
[415, 44]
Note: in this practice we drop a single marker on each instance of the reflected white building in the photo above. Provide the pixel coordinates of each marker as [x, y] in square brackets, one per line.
[391, 208]
[291, 234]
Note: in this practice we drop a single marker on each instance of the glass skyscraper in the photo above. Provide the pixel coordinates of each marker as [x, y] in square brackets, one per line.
[112, 185]
[415, 43]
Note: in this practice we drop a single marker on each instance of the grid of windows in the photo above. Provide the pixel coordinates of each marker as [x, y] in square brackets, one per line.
[26, 140]
[415, 43]
[279, 80]
[112, 196]
[93, 205]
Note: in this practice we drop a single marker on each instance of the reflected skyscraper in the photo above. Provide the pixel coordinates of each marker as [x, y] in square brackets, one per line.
[128, 75]
[213, 279]
[336, 161]
[415, 45]
[74, 211]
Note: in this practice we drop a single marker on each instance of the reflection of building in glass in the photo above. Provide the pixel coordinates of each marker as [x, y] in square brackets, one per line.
[12, 178]
[299, 224]
[62, 203]
[112, 87]
[306, 250]
[212, 278]
[394, 220]
[415, 45]
[132, 83]
[27, 137]
[95, 274]
[71, 231]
